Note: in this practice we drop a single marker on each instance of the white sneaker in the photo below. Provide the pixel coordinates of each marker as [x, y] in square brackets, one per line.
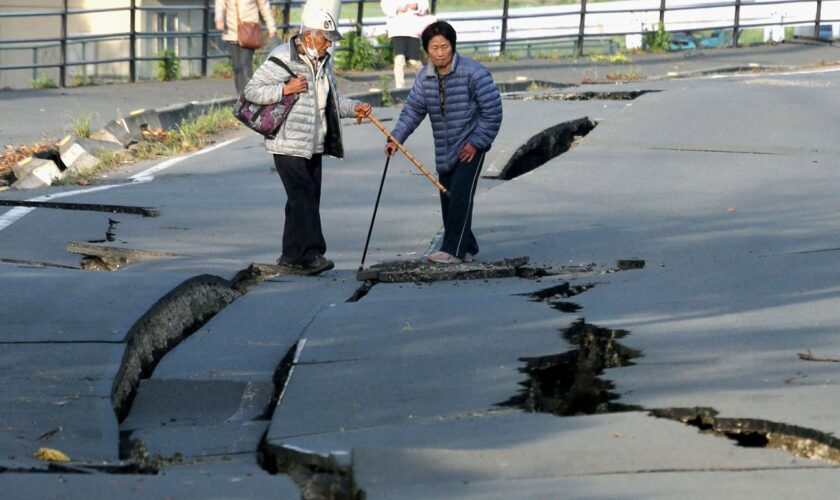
[443, 258]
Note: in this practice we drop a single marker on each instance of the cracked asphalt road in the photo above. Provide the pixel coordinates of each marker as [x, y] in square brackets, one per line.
[725, 188]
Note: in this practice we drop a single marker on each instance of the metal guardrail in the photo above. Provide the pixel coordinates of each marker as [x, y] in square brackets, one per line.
[283, 10]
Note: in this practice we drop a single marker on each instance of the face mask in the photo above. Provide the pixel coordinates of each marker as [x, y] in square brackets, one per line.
[311, 52]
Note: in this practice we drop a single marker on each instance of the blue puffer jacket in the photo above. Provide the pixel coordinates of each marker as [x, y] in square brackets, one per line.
[473, 110]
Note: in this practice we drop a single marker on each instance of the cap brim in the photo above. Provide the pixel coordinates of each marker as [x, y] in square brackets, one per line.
[333, 36]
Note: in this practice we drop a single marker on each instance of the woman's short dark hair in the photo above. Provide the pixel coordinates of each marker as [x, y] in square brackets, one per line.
[441, 28]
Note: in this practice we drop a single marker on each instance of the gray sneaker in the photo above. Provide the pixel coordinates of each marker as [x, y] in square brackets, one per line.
[468, 257]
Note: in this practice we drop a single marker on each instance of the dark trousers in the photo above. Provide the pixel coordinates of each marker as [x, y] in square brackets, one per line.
[457, 208]
[303, 239]
[243, 65]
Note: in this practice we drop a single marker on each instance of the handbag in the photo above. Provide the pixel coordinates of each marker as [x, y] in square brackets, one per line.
[265, 119]
[249, 34]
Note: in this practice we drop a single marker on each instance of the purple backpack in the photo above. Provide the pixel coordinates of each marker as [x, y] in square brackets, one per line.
[265, 118]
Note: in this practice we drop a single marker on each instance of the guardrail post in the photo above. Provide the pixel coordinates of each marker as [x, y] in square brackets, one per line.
[359, 15]
[205, 36]
[736, 25]
[433, 7]
[505, 12]
[817, 20]
[582, 29]
[662, 13]
[132, 43]
[62, 70]
[287, 13]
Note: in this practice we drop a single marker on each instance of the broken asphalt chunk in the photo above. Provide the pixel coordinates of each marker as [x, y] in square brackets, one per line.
[419, 270]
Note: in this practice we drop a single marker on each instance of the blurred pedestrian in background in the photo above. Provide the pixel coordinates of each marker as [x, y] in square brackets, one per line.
[465, 110]
[312, 129]
[406, 20]
[229, 15]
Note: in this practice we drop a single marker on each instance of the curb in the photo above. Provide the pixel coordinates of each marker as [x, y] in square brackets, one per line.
[77, 155]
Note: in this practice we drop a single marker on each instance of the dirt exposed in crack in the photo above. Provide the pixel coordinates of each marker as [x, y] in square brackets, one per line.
[173, 318]
[555, 295]
[362, 291]
[758, 433]
[90, 207]
[110, 233]
[569, 383]
[546, 145]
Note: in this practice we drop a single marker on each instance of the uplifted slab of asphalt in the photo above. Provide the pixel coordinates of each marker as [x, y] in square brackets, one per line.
[411, 352]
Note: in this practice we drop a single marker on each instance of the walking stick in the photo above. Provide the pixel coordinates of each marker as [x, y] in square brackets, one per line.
[375, 208]
[409, 155]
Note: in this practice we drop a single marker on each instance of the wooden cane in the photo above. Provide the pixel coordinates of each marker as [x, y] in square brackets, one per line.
[409, 155]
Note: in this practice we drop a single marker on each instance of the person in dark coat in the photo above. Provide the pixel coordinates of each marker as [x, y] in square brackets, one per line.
[465, 110]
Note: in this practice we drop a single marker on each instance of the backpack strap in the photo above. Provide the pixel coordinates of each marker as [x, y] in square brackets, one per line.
[282, 65]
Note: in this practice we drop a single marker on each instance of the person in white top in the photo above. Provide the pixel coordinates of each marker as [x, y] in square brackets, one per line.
[228, 15]
[406, 20]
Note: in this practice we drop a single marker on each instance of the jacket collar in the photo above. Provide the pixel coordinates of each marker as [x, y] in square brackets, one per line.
[430, 68]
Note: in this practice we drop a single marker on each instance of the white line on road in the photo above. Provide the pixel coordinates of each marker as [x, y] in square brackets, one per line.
[147, 175]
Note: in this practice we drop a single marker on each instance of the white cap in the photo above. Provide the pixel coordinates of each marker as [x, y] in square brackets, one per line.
[321, 20]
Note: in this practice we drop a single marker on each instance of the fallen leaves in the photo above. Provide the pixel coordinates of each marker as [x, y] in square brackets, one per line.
[12, 154]
[50, 455]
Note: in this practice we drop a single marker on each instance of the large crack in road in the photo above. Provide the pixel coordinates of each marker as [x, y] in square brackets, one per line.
[570, 383]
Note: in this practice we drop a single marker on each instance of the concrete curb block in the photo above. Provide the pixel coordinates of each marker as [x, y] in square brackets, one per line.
[78, 154]
[35, 172]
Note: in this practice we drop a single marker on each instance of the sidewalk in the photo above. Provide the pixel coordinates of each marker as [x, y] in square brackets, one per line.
[36, 115]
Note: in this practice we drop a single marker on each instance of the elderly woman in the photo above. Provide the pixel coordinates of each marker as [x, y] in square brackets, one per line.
[465, 110]
[312, 129]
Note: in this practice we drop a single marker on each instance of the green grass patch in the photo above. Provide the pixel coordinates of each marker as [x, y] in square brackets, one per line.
[44, 83]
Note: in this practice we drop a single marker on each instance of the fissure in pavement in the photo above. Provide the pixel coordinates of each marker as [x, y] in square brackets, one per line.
[758, 433]
[173, 318]
[623, 95]
[546, 145]
[89, 207]
[317, 479]
[569, 384]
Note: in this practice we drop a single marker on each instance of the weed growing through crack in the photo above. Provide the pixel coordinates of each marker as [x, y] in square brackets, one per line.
[81, 127]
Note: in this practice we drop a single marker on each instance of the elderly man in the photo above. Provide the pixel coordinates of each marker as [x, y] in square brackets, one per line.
[312, 129]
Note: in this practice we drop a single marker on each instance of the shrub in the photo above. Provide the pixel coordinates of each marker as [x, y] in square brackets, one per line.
[385, 82]
[168, 66]
[385, 57]
[658, 40]
[44, 83]
[358, 53]
[223, 69]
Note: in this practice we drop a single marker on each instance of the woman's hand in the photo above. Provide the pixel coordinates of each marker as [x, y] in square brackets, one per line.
[390, 149]
[467, 153]
[296, 85]
[220, 25]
